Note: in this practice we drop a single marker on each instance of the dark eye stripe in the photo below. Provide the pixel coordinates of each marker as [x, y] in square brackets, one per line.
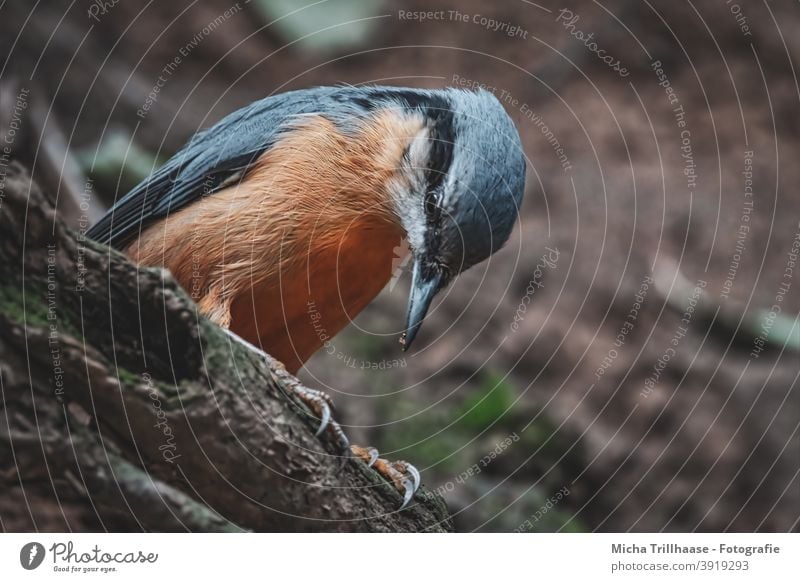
[441, 154]
[439, 160]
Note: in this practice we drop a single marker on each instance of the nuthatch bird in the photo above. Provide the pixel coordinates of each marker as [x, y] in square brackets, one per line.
[282, 219]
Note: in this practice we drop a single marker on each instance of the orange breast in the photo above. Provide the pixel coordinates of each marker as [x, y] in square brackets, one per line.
[289, 256]
[293, 316]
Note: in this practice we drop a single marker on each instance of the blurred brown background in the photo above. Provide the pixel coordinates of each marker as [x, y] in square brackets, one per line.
[516, 401]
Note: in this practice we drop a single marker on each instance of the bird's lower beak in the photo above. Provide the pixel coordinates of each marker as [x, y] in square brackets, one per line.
[423, 290]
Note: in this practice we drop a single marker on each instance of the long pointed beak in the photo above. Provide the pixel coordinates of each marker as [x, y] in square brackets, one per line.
[423, 290]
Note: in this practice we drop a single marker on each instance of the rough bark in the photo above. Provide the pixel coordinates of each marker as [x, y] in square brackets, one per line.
[123, 409]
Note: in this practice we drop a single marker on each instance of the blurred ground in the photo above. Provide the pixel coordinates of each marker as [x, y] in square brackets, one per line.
[542, 422]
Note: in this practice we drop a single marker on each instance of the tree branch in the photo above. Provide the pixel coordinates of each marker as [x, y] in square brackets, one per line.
[126, 410]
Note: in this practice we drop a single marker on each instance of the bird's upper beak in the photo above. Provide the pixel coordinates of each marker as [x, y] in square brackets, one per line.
[423, 289]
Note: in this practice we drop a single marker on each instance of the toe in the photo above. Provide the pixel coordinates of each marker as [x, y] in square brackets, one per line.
[324, 411]
[408, 494]
[322, 405]
[404, 476]
[409, 481]
[367, 454]
[412, 471]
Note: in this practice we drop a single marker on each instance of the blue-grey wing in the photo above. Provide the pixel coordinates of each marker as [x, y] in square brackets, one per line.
[211, 160]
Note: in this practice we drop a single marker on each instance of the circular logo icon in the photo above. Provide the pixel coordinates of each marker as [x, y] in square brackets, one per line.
[31, 555]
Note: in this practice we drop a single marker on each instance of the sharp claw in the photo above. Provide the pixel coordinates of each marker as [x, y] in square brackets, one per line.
[409, 492]
[321, 404]
[326, 418]
[373, 456]
[415, 476]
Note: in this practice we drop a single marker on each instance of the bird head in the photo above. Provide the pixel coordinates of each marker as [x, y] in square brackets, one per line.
[464, 177]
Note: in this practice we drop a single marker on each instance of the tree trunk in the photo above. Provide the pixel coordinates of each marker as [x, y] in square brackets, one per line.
[124, 409]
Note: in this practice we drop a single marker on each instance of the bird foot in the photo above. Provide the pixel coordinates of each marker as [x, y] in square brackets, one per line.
[404, 476]
[322, 406]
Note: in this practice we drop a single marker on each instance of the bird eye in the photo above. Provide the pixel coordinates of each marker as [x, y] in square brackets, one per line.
[432, 205]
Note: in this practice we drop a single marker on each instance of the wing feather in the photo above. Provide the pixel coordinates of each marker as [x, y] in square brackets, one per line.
[213, 159]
